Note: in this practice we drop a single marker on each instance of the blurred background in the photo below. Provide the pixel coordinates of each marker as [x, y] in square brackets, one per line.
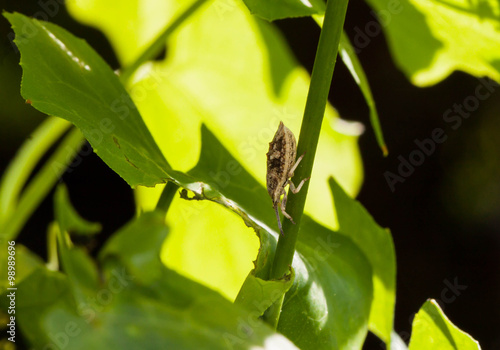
[444, 216]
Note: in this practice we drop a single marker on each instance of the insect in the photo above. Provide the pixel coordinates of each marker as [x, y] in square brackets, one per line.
[280, 167]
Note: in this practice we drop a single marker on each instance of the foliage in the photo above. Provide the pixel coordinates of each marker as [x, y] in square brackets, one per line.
[436, 49]
[431, 328]
[180, 274]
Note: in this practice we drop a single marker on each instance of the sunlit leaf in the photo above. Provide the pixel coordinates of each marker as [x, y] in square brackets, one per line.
[277, 9]
[144, 20]
[376, 243]
[446, 35]
[431, 329]
[352, 63]
[205, 239]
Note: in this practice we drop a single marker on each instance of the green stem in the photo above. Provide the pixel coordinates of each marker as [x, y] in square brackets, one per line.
[52, 257]
[155, 48]
[41, 184]
[321, 78]
[167, 195]
[18, 171]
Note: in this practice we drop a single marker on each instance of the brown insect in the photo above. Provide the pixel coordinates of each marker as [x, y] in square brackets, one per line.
[280, 167]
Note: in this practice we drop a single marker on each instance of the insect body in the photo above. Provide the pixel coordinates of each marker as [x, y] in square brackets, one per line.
[281, 165]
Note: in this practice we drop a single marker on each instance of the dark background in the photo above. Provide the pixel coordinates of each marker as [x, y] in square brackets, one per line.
[445, 216]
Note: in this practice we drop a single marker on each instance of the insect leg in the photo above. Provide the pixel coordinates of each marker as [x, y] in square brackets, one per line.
[292, 186]
[292, 169]
[283, 209]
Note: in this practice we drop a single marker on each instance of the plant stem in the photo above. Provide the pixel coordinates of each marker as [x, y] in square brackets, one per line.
[52, 257]
[167, 195]
[155, 48]
[18, 171]
[41, 184]
[321, 78]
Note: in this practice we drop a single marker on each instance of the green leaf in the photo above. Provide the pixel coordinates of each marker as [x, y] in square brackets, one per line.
[257, 295]
[129, 312]
[26, 262]
[68, 219]
[376, 243]
[80, 87]
[328, 305]
[173, 313]
[278, 9]
[445, 36]
[354, 66]
[431, 329]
